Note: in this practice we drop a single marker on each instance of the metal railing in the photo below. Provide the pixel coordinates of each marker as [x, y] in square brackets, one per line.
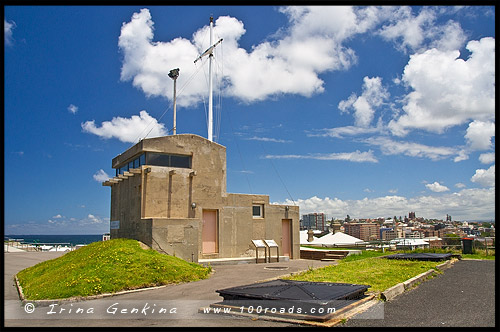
[445, 242]
[36, 246]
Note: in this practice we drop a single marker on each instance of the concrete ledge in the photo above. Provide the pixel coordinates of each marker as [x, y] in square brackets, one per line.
[45, 303]
[331, 320]
[400, 288]
[446, 265]
[392, 292]
[419, 278]
[239, 260]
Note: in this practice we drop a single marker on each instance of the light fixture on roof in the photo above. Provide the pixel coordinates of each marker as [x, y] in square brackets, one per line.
[173, 74]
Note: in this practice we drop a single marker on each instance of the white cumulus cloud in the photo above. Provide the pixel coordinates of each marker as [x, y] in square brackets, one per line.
[487, 158]
[485, 177]
[289, 62]
[416, 32]
[465, 204]
[448, 91]
[373, 96]
[128, 130]
[436, 187]
[101, 176]
[92, 220]
[479, 134]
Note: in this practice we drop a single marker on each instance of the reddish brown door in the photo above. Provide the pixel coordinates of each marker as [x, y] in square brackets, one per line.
[209, 232]
[286, 239]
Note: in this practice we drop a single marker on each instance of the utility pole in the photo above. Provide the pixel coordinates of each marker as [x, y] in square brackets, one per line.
[173, 74]
[210, 54]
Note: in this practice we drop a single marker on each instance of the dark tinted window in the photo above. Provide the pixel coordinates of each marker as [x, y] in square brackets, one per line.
[256, 209]
[180, 161]
[158, 159]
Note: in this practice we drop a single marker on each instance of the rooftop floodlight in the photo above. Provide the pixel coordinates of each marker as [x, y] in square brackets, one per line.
[173, 74]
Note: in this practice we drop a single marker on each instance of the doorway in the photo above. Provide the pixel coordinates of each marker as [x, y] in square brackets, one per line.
[209, 232]
[286, 237]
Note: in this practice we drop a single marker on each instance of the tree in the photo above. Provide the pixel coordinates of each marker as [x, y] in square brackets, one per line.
[452, 239]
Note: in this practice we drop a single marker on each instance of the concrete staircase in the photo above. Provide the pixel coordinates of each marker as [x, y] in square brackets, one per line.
[323, 255]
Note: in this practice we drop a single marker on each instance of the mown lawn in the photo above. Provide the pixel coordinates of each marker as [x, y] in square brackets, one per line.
[105, 267]
[368, 269]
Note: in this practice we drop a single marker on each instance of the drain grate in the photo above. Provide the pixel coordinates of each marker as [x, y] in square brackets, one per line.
[277, 268]
[422, 256]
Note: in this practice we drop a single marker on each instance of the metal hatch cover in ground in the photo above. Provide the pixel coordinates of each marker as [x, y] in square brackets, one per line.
[280, 289]
[292, 298]
[422, 256]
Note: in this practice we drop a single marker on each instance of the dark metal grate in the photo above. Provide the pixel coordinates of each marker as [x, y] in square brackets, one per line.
[292, 298]
[295, 290]
[421, 256]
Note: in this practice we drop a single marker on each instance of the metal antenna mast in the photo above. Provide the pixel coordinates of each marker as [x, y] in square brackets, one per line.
[209, 52]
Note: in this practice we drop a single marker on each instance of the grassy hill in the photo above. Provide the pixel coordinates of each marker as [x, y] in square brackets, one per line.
[105, 267]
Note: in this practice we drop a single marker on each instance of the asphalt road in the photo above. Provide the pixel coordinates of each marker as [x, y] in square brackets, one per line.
[463, 296]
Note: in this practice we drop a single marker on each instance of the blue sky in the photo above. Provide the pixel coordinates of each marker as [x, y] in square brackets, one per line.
[366, 111]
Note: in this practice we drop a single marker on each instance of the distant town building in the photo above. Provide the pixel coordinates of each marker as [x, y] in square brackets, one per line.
[336, 227]
[363, 231]
[388, 234]
[314, 221]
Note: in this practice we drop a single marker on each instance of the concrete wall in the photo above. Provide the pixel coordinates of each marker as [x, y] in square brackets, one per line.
[176, 237]
[154, 204]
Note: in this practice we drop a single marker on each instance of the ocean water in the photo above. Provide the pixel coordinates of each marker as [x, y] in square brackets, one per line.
[72, 239]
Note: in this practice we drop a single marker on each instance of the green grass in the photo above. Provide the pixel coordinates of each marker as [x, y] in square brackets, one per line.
[365, 254]
[105, 267]
[368, 269]
[478, 253]
[330, 248]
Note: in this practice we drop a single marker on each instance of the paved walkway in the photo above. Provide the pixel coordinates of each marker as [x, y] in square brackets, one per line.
[463, 296]
[7, 248]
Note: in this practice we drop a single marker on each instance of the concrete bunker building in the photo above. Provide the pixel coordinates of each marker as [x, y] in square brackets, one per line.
[170, 193]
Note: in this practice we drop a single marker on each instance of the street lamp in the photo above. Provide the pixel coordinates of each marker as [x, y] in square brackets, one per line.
[173, 74]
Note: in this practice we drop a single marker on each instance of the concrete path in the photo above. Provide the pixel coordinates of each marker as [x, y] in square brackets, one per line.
[464, 296]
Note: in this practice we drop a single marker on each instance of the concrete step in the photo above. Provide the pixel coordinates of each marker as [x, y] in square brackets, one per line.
[335, 256]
